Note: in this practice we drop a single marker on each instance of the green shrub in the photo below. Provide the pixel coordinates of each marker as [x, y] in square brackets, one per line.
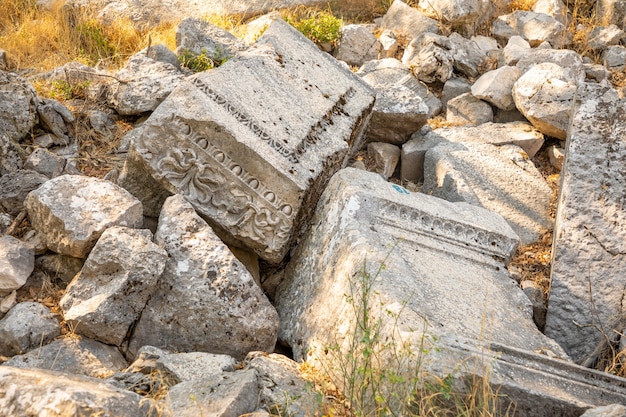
[321, 27]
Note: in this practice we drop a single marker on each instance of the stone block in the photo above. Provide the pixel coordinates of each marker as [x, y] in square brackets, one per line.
[589, 254]
[412, 156]
[18, 106]
[252, 143]
[17, 261]
[357, 45]
[467, 109]
[407, 21]
[501, 179]
[108, 295]
[385, 156]
[15, 186]
[496, 87]
[27, 326]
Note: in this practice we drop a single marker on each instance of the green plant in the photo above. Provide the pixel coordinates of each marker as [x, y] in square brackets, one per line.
[321, 26]
[383, 370]
[202, 61]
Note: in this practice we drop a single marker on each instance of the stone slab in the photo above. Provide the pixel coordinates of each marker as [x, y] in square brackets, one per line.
[252, 143]
[589, 251]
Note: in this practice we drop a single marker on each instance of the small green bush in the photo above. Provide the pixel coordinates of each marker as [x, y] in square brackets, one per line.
[201, 62]
[321, 27]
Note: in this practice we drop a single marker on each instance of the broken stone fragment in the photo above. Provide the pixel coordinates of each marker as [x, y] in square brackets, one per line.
[71, 212]
[17, 261]
[26, 326]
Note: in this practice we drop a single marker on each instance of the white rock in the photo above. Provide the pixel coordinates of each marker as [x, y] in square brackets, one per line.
[385, 156]
[26, 326]
[534, 27]
[516, 48]
[467, 109]
[18, 106]
[357, 45]
[17, 261]
[614, 57]
[496, 87]
[407, 21]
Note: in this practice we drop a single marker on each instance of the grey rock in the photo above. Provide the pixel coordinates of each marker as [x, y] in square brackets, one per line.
[385, 156]
[71, 212]
[357, 45]
[454, 87]
[10, 155]
[407, 21]
[500, 179]
[516, 48]
[73, 355]
[45, 162]
[5, 222]
[179, 367]
[588, 258]
[556, 155]
[534, 27]
[412, 156]
[17, 261]
[535, 294]
[555, 8]
[230, 394]
[429, 59]
[102, 123]
[198, 36]
[54, 116]
[570, 61]
[544, 96]
[467, 109]
[521, 134]
[7, 303]
[468, 58]
[61, 268]
[258, 177]
[205, 300]
[388, 43]
[40, 392]
[18, 106]
[162, 53]
[613, 410]
[496, 87]
[108, 295]
[485, 43]
[27, 326]
[614, 57]
[143, 84]
[3, 60]
[281, 386]
[15, 186]
[455, 12]
[600, 37]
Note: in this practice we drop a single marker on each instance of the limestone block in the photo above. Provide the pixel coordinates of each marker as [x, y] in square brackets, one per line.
[408, 21]
[206, 300]
[468, 57]
[596, 72]
[453, 12]
[108, 295]
[280, 382]
[614, 57]
[143, 84]
[252, 143]
[45, 162]
[357, 45]
[18, 106]
[454, 87]
[179, 367]
[73, 355]
[162, 53]
[516, 48]
[496, 87]
[27, 326]
[412, 156]
[198, 36]
[534, 27]
[388, 43]
[544, 96]
[429, 58]
[556, 155]
[500, 179]
[570, 61]
[385, 156]
[15, 186]
[427, 245]
[17, 261]
[41, 392]
[53, 116]
[485, 43]
[601, 37]
[555, 8]
[10, 159]
[71, 212]
[521, 134]
[589, 259]
[225, 395]
[467, 109]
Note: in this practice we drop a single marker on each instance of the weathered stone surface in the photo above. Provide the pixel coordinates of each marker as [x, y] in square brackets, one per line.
[39, 392]
[73, 355]
[407, 21]
[500, 179]
[8, 302]
[589, 259]
[413, 153]
[229, 394]
[71, 212]
[361, 223]
[429, 59]
[468, 58]
[15, 186]
[388, 43]
[357, 45]
[45, 162]
[534, 27]
[555, 8]
[556, 155]
[516, 48]
[544, 96]
[197, 36]
[613, 410]
[143, 84]
[114, 285]
[467, 109]
[53, 116]
[17, 261]
[570, 61]
[18, 106]
[206, 300]
[614, 57]
[385, 156]
[521, 134]
[252, 143]
[10, 159]
[612, 12]
[59, 267]
[454, 87]
[26, 326]
[453, 11]
[496, 87]
[179, 367]
[281, 386]
[601, 37]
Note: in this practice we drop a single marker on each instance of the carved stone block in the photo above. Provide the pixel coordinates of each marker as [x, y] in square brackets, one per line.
[252, 144]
